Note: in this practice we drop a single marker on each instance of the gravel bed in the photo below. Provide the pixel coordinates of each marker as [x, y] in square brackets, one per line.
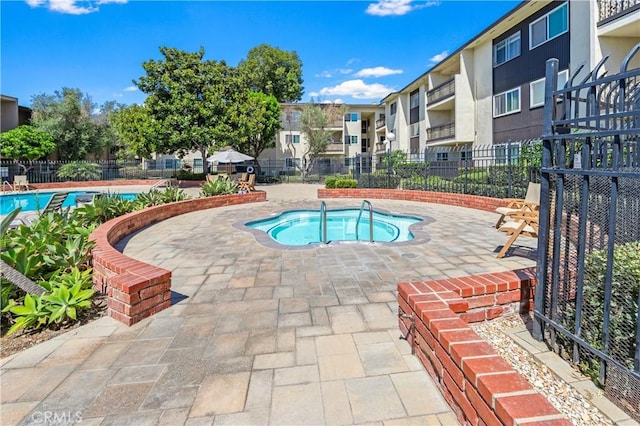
[559, 393]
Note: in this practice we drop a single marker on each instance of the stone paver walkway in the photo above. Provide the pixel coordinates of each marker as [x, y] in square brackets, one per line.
[259, 335]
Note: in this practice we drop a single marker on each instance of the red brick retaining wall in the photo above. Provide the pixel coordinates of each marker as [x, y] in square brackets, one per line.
[460, 200]
[481, 387]
[134, 289]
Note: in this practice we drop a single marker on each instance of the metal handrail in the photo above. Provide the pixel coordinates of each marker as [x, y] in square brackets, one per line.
[370, 208]
[323, 222]
[7, 183]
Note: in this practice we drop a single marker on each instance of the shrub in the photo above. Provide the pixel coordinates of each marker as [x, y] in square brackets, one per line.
[625, 287]
[80, 170]
[340, 181]
[409, 170]
[346, 183]
[188, 175]
[219, 187]
[379, 180]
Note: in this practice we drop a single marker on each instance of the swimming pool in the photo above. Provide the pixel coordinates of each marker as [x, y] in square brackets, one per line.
[33, 201]
[302, 227]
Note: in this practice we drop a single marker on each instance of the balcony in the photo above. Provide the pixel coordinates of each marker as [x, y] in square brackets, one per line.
[446, 89]
[609, 10]
[335, 124]
[381, 147]
[380, 122]
[444, 131]
[334, 148]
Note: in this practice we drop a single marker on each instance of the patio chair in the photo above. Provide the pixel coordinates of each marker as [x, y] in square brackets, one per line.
[530, 202]
[54, 204]
[523, 222]
[20, 181]
[248, 185]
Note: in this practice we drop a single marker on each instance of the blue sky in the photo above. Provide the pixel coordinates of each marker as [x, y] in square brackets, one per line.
[351, 51]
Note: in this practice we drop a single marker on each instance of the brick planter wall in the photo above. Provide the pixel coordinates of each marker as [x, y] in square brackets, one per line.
[460, 200]
[481, 387]
[134, 289]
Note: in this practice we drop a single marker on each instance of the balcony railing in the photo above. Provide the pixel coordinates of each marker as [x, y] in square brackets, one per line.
[441, 132]
[381, 147]
[380, 122]
[335, 147]
[446, 89]
[608, 10]
[336, 123]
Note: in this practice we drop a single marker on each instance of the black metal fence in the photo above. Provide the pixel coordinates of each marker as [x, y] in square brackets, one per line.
[492, 170]
[587, 296]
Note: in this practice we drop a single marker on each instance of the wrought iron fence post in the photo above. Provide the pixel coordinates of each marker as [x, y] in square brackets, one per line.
[551, 77]
[509, 192]
[426, 168]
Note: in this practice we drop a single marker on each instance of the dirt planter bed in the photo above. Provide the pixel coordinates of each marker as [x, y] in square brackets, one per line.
[134, 289]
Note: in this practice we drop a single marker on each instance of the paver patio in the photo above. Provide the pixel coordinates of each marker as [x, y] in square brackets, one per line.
[259, 335]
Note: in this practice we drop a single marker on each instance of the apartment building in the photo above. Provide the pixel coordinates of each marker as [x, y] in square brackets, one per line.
[355, 132]
[12, 115]
[491, 90]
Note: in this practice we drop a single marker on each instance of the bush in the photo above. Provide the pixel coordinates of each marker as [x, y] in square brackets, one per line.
[409, 170]
[625, 287]
[340, 181]
[187, 175]
[218, 187]
[379, 180]
[80, 170]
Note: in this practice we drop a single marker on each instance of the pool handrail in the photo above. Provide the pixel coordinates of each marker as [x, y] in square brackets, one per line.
[323, 222]
[370, 208]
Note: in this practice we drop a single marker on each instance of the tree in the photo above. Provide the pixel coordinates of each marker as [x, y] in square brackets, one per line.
[136, 131]
[68, 117]
[314, 121]
[274, 72]
[258, 119]
[26, 143]
[189, 99]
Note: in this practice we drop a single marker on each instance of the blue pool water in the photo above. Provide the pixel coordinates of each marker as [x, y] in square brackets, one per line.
[33, 201]
[302, 227]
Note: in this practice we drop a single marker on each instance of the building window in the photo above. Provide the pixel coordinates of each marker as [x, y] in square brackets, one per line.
[197, 162]
[393, 108]
[289, 139]
[350, 139]
[414, 99]
[466, 155]
[549, 26]
[442, 156]
[506, 49]
[290, 163]
[536, 89]
[354, 116]
[507, 153]
[506, 103]
[414, 130]
[171, 163]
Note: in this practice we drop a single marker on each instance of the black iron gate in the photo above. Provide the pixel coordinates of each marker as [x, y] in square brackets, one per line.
[588, 273]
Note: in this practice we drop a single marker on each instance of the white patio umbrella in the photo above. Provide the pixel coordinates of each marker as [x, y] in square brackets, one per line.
[229, 156]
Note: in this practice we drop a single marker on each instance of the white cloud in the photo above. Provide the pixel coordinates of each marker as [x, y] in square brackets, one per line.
[117, 95]
[396, 7]
[345, 71]
[336, 101]
[377, 72]
[357, 89]
[72, 7]
[324, 74]
[314, 94]
[439, 57]
[131, 89]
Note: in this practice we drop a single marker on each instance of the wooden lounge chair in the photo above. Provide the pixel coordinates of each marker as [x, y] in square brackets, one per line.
[523, 222]
[20, 181]
[530, 202]
[248, 185]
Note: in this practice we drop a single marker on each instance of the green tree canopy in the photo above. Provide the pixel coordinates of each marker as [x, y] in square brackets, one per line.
[274, 72]
[189, 99]
[257, 119]
[26, 143]
[136, 131]
[315, 119]
[69, 117]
